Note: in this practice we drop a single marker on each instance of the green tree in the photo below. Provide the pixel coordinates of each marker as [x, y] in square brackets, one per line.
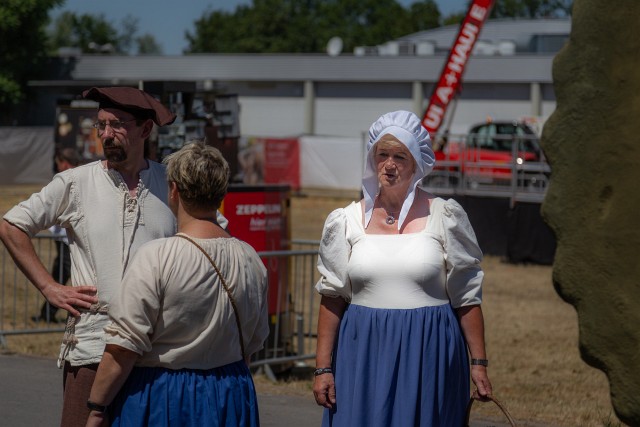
[22, 48]
[275, 26]
[290, 26]
[212, 33]
[61, 34]
[95, 34]
[147, 45]
[424, 15]
[454, 18]
[367, 22]
[127, 36]
[531, 8]
[264, 27]
[90, 33]
[519, 9]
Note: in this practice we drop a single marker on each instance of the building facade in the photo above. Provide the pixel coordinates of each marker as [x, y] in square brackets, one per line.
[282, 95]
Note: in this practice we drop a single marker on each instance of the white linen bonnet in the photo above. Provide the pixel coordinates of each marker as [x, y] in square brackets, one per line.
[408, 129]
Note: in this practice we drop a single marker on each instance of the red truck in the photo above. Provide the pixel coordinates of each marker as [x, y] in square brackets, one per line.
[494, 153]
[489, 154]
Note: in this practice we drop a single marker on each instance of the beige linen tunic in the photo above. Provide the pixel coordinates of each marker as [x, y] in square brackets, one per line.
[105, 226]
[173, 310]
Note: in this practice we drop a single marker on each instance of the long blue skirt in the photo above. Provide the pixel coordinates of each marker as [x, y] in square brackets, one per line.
[399, 367]
[223, 396]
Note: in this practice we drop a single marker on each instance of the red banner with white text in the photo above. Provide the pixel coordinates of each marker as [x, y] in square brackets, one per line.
[451, 76]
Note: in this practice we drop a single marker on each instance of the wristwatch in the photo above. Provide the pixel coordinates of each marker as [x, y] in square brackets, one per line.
[482, 362]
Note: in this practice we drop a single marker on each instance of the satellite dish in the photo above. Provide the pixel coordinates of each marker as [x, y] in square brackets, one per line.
[334, 47]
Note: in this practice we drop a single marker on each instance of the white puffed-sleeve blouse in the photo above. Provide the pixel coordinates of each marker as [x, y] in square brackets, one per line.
[439, 265]
[173, 310]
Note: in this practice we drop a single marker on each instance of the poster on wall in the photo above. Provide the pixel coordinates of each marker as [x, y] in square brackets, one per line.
[269, 161]
[282, 162]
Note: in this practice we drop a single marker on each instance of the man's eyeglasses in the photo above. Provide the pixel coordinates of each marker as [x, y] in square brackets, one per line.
[101, 125]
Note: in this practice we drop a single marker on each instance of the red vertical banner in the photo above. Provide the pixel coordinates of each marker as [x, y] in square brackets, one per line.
[282, 162]
[451, 75]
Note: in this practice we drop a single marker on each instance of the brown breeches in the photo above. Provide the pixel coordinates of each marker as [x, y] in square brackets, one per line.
[76, 384]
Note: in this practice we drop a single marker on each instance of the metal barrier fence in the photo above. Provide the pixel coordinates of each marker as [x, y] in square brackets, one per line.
[293, 323]
[19, 300]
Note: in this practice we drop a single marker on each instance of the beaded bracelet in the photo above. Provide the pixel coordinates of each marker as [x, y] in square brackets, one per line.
[321, 371]
[482, 362]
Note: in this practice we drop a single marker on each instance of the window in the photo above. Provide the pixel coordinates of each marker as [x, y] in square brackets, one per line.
[499, 136]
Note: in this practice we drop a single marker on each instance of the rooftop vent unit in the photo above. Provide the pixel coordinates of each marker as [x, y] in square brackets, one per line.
[506, 47]
[484, 47]
[406, 48]
[365, 50]
[389, 49]
[425, 48]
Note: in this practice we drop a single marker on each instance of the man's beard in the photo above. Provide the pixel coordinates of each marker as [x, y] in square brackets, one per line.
[114, 153]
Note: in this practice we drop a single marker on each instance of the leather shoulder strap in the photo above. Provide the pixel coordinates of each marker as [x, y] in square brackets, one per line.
[226, 288]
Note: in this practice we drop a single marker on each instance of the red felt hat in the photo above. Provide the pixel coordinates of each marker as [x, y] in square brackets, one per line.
[133, 101]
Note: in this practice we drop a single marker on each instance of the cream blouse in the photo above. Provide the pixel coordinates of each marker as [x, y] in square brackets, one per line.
[439, 265]
[173, 310]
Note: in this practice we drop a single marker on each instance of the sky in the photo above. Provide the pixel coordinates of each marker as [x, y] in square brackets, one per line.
[167, 20]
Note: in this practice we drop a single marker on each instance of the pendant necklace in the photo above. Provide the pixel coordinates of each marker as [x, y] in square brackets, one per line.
[391, 216]
[390, 219]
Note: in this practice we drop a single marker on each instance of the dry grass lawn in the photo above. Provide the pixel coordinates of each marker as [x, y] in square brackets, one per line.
[531, 334]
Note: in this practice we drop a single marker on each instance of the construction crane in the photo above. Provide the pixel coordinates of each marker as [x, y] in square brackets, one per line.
[451, 77]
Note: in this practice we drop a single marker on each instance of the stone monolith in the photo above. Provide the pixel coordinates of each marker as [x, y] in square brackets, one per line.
[592, 141]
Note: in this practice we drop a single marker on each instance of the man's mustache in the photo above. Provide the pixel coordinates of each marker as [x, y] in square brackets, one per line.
[109, 143]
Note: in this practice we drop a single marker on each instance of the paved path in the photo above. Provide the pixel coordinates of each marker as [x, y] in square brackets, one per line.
[31, 395]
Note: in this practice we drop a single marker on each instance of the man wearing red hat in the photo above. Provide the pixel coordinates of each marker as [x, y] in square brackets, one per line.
[109, 208]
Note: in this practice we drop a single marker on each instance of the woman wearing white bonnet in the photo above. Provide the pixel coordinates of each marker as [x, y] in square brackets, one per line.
[400, 327]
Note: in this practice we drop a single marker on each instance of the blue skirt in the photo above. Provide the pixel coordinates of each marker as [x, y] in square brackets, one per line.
[223, 396]
[399, 367]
